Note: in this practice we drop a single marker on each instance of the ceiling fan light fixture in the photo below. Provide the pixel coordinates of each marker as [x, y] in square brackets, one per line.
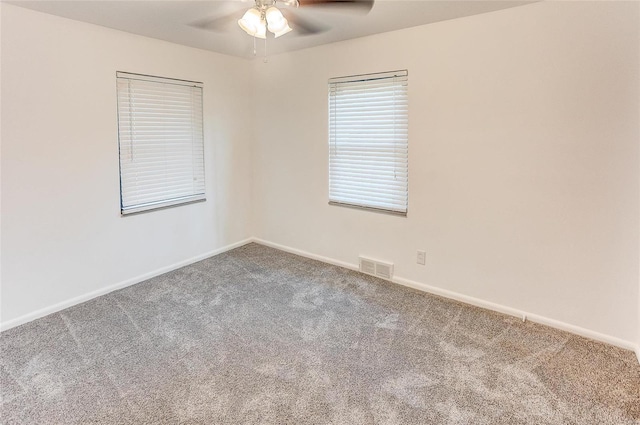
[278, 24]
[251, 22]
[280, 31]
[273, 15]
[261, 31]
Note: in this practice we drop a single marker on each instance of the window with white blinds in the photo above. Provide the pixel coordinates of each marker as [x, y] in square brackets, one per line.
[368, 141]
[161, 142]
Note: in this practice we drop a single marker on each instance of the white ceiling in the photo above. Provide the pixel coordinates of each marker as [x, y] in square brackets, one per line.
[170, 20]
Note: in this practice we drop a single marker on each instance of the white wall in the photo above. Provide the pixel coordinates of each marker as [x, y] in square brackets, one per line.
[523, 138]
[0, 161]
[523, 159]
[62, 234]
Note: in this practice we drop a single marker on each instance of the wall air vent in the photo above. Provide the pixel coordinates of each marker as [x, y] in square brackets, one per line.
[384, 270]
[367, 266]
[376, 268]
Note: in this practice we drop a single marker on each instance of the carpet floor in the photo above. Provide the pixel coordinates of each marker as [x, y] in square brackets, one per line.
[259, 336]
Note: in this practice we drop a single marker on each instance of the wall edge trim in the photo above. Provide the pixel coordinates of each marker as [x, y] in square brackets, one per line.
[557, 324]
[107, 289]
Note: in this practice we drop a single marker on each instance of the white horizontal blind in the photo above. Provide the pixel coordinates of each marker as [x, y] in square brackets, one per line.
[161, 142]
[368, 141]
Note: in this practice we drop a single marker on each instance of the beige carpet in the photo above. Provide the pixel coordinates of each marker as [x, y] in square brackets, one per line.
[258, 336]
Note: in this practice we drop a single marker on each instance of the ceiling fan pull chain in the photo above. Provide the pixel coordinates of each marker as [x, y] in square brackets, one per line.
[265, 60]
[255, 52]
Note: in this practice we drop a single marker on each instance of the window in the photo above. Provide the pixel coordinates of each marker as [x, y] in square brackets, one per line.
[161, 142]
[368, 141]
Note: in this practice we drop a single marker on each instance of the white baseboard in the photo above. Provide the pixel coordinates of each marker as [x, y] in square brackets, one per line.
[399, 280]
[472, 301]
[102, 291]
[306, 254]
[518, 313]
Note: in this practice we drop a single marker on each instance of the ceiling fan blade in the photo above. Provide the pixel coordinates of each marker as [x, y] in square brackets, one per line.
[363, 6]
[215, 24]
[304, 26]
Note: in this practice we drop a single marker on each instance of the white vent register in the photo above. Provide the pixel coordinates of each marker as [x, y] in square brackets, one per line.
[376, 268]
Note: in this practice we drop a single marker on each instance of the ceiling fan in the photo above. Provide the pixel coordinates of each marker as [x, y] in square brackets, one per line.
[265, 15]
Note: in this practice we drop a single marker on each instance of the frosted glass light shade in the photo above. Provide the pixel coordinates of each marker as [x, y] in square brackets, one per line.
[273, 15]
[261, 31]
[278, 24]
[285, 29]
[251, 22]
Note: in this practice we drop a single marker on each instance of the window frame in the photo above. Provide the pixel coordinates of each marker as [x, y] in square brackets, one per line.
[167, 202]
[332, 83]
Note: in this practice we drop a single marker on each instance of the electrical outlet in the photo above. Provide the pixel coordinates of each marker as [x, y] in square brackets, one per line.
[422, 257]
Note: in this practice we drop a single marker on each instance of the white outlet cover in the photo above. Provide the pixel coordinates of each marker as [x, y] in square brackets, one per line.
[422, 257]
